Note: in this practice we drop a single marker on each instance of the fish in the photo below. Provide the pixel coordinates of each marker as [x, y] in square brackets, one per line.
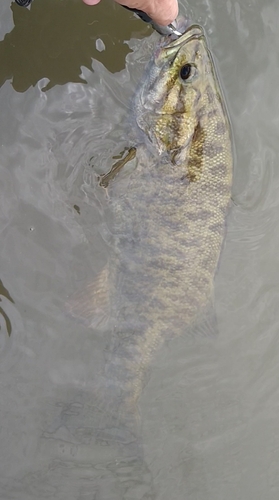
[169, 220]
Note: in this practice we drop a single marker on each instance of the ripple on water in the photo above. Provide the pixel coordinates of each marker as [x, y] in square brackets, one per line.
[216, 400]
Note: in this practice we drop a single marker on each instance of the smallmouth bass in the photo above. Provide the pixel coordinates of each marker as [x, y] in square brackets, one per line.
[169, 218]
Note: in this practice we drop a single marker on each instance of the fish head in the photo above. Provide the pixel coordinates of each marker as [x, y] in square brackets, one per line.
[172, 100]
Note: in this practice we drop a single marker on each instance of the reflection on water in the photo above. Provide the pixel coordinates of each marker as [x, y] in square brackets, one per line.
[53, 41]
[210, 408]
[4, 292]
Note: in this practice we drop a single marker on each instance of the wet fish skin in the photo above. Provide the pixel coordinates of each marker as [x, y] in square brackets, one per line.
[168, 226]
[170, 213]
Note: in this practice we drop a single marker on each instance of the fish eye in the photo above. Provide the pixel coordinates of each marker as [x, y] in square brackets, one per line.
[186, 71]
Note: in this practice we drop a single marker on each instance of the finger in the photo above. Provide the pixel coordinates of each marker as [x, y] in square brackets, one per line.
[91, 2]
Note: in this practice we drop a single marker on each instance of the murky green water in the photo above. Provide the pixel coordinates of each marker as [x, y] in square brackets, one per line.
[209, 412]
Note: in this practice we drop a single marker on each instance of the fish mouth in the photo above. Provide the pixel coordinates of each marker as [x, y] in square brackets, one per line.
[193, 32]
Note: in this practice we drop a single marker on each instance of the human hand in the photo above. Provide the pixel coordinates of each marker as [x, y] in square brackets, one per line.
[162, 12]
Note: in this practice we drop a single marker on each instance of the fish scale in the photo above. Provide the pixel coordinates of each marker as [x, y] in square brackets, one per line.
[170, 214]
[169, 222]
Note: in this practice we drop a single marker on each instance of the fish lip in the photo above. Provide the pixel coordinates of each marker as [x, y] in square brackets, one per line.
[193, 32]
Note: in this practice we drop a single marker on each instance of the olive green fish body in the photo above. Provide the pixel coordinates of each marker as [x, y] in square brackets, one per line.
[170, 212]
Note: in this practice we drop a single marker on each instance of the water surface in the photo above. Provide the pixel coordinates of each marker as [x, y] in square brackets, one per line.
[209, 412]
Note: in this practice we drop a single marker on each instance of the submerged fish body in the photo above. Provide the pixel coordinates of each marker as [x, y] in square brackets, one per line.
[170, 212]
[169, 219]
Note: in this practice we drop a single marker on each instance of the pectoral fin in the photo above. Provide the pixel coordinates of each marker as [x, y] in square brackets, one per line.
[91, 304]
[117, 167]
